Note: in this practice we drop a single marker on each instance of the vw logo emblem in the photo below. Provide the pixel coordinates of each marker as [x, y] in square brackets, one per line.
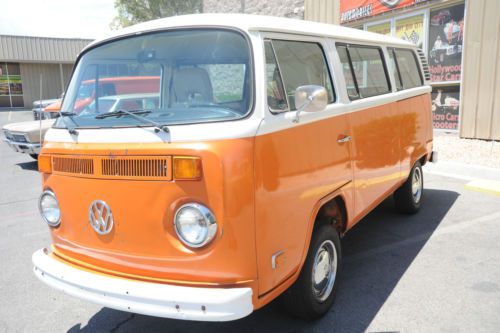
[100, 217]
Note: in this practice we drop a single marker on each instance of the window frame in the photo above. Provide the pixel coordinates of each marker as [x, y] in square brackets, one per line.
[325, 49]
[384, 65]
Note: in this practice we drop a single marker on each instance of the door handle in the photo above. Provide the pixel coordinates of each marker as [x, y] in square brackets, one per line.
[345, 138]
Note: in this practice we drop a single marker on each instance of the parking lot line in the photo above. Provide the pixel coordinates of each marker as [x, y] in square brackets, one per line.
[484, 186]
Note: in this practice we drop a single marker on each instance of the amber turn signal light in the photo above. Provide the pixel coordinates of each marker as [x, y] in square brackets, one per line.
[187, 168]
[44, 164]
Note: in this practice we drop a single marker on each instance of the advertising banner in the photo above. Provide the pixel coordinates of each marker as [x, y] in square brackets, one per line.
[351, 10]
[381, 28]
[445, 107]
[446, 33]
[411, 29]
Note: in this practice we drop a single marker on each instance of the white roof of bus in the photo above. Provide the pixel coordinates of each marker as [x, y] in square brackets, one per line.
[248, 22]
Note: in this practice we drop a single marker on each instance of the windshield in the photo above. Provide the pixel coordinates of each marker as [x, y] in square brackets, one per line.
[179, 77]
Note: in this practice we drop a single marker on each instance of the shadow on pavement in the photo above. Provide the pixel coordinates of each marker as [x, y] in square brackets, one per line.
[31, 165]
[377, 253]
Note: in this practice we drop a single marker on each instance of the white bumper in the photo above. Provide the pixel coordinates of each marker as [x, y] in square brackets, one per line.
[24, 147]
[154, 299]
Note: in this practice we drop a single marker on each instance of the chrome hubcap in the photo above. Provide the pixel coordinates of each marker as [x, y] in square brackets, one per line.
[324, 270]
[416, 185]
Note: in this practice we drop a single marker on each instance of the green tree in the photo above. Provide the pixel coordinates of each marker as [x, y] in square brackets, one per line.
[136, 11]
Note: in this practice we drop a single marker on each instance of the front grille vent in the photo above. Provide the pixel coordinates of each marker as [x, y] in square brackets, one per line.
[149, 167]
[425, 64]
[73, 165]
[114, 167]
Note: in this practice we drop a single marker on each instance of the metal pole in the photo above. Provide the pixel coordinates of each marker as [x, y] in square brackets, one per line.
[40, 114]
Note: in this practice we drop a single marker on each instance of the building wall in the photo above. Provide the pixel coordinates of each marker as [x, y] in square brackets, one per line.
[480, 107]
[324, 11]
[40, 49]
[52, 85]
[283, 8]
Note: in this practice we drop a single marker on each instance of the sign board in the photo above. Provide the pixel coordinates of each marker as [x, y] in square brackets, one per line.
[380, 28]
[446, 33]
[445, 107]
[411, 29]
[351, 10]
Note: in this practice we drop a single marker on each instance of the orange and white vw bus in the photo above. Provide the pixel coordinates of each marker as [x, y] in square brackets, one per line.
[231, 182]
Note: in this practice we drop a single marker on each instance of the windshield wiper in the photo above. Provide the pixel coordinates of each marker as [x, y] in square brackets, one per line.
[70, 129]
[135, 114]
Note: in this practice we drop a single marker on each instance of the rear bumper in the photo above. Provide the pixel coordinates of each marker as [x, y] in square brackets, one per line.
[434, 157]
[24, 147]
[154, 299]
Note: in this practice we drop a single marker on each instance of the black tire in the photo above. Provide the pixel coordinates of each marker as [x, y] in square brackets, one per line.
[34, 156]
[300, 299]
[406, 199]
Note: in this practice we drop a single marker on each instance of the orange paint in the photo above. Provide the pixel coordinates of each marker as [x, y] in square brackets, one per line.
[265, 191]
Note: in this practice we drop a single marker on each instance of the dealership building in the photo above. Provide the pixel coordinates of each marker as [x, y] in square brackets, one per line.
[460, 38]
[30, 63]
[461, 41]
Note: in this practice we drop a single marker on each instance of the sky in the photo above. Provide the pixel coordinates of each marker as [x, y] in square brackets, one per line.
[56, 18]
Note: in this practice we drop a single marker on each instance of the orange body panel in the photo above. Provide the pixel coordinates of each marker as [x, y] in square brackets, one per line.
[294, 169]
[143, 241]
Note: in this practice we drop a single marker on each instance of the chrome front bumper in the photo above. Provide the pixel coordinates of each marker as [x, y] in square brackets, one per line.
[24, 147]
[153, 299]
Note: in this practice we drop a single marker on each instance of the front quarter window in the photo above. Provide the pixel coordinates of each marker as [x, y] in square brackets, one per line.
[171, 77]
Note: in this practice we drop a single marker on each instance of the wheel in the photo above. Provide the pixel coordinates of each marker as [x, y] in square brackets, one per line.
[34, 156]
[408, 197]
[312, 295]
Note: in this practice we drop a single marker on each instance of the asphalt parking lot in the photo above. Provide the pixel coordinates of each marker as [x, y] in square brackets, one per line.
[437, 271]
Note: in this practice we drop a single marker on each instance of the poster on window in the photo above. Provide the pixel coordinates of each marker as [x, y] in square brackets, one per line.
[411, 29]
[10, 80]
[380, 28]
[446, 33]
[445, 107]
[4, 80]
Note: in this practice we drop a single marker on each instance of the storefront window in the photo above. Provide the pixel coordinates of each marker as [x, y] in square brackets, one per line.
[446, 33]
[11, 86]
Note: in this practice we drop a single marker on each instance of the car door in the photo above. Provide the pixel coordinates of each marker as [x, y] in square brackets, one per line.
[297, 162]
[375, 125]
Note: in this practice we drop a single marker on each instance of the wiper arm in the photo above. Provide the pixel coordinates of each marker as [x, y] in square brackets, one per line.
[121, 112]
[70, 129]
[135, 114]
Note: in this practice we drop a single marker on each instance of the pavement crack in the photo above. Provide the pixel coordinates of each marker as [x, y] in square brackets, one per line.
[17, 201]
[121, 323]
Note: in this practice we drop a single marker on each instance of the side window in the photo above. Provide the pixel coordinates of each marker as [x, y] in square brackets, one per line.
[408, 68]
[352, 91]
[276, 98]
[395, 71]
[302, 63]
[368, 68]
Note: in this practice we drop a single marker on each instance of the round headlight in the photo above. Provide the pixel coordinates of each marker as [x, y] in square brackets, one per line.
[195, 225]
[49, 208]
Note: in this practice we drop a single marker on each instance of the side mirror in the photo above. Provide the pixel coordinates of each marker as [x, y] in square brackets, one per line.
[310, 98]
